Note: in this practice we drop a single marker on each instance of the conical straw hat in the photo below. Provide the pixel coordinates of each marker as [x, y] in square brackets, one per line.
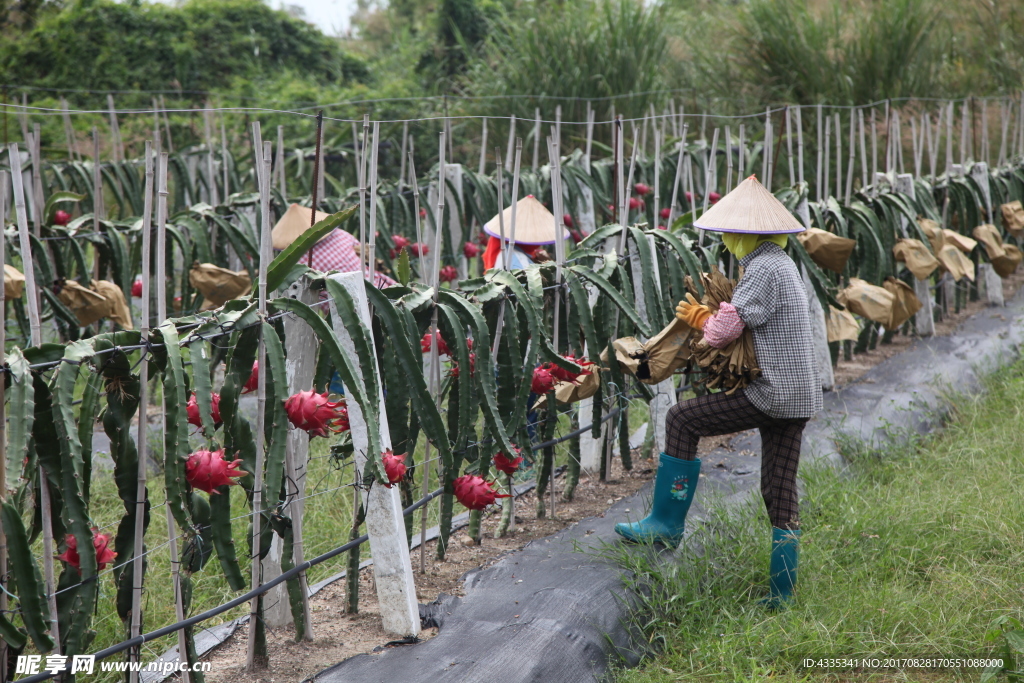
[293, 223]
[750, 208]
[534, 223]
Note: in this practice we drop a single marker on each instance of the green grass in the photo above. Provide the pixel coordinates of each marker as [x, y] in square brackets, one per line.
[916, 551]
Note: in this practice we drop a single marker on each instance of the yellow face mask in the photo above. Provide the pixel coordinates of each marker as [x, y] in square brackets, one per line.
[740, 244]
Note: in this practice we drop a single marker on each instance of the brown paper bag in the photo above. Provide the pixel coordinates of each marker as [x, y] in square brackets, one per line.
[667, 351]
[868, 301]
[826, 249]
[1006, 264]
[87, 305]
[956, 262]
[989, 236]
[1013, 218]
[14, 283]
[961, 242]
[218, 285]
[629, 352]
[933, 232]
[117, 307]
[841, 325]
[905, 304]
[915, 254]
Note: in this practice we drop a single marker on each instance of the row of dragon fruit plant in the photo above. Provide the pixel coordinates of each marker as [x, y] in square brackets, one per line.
[466, 312]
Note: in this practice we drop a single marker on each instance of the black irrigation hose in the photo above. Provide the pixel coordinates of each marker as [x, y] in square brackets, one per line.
[240, 600]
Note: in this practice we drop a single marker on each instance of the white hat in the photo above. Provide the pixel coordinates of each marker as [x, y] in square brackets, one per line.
[750, 208]
[293, 223]
[534, 223]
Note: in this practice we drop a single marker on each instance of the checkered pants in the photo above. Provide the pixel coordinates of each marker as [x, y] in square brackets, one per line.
[717, 414]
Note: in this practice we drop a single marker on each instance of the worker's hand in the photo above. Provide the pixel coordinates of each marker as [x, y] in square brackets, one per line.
[693, 313]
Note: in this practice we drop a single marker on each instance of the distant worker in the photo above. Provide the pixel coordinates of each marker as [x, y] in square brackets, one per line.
[535, 227]
[337, 250]
[770, 299]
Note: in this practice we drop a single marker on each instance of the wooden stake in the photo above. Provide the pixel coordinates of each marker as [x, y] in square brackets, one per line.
[874, 146]
[949, 138]
[483, 149]
[728, 160]
[918, 147]
[817, 184]
[115, 132]
[211, 176]
[372, 236]
[362, 194]
[97, 181]
[799, 146]
[863, 151]
[405, 147]
[828, 140]
[740, 162]
[789, 146]
[675, 181]
[142, 441]
[986, 155]
[839, 157]
[853, 158]
[167, 125]
[1003, 129]
[282, 175]
[224, 163]
[963, 134]
[508, 150]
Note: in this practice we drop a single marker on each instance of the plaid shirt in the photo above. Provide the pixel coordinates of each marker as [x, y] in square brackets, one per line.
[772, 301]
[338, 252]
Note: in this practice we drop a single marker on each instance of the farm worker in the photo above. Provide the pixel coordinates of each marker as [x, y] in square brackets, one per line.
[335, 251]
[770, 299]
[535, 227]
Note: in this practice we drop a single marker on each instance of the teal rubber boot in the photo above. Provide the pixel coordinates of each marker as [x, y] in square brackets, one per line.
[782, 568]
[673, 492]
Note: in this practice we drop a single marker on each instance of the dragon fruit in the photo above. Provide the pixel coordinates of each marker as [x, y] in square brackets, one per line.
[454, 372]
[394, 467]
[312, 412]
[137, 289]
[475, 493]
[642, 189]
[61, 217]
[665, 213]
[713, 197]
[400, 242]
[567, 220]
[448, 274]
[563, 375]
[418, 249]
[576, 235]
[543, 381]
[470, 250]
[207, 470]
[442, 345]
[635, 204]
[101, 542]
[254, 378]
[192, 409]
[506, 464]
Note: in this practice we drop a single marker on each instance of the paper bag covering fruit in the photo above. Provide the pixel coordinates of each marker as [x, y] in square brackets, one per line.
[1013, 218]
[1004, 257]
[571, 392]
[655, 361]
[827, 250]
[102, 299]
[14, 283]
[218, 285]
[915, 254]
[868, 301]
[905, 303]
[841, 325]
[950, 248]
[1005, 265]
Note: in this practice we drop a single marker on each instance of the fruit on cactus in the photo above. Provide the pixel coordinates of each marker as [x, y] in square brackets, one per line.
[635, 204]
[475, 493]
[418, 249]
[567, 220]
[137, 288]
[448, 274]
[208, 470]
[101, 542]
[254, 377]
[312, 412]
[394, 467]
[689, 197]
[562, 375]
[482, 239]
[423, 213]
[442, 345]
[192, 409]
[611, 208]
[506, 464]
[470, 250]
[543, 381]
[665, 213]
[662, 227]
[713, 197]
[454, 372]
[641, 189]
[400, 242]
[61, 217]
[576, 236]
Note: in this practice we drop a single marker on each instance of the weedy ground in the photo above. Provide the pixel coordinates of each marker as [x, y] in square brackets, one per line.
[916, 551]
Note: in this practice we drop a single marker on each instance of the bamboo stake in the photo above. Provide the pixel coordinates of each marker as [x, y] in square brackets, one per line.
[740, 165]
[558, 125]
[839, 157]
[657, 179]
[416, 201]
[675, 181]
[828, 140]
[515, 207]
[281, 174]
[709, 171]
[263, 151]
[115, 131]
[142, 440]
[963, 134]
[362, 195]
[918, 146]
[556, 202]
[853, 158]
[483, 149]
[949, 138]
[508, 150]
[590, 137]
[371, 252]
[1003, 126]
[167, 125]
[863, 151]
[789, 147]
[161, 307]
[766, 154]
[210, 174]
[355, 150]
[69, 131]
[874, 146]
[405, 147]
[728, 160]
[898, 141]
[157, 130]
[97, 181]
[799, 147]
[817, 183]
[321, 183]
[986, 155]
